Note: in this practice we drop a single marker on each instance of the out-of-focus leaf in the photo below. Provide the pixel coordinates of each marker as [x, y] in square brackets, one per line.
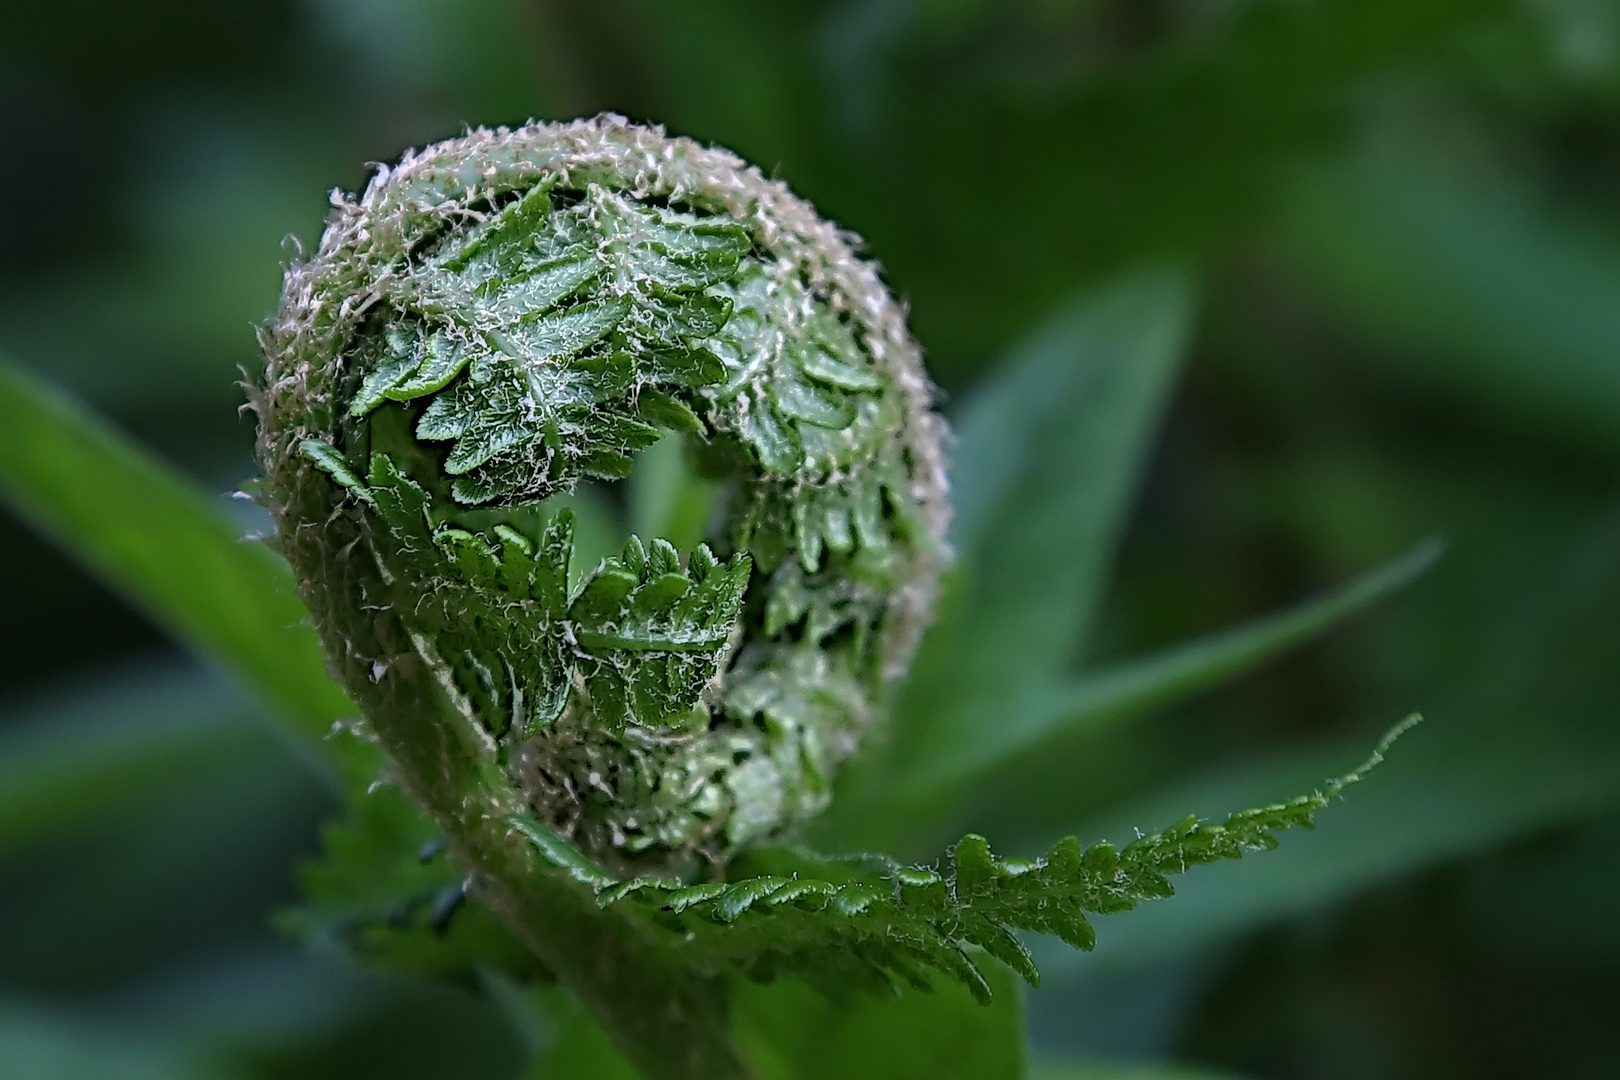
[1028, 722]
[666, 499]
[1457, 788]
[1062, 1070]
[1525, 740]
[158, 541]
[1523, 743]
[76, 759]
[574, 1045]
[155, 538]
[384, 892]
[1045, 469]
[37, 1045]
[789, 1031]
[1477, 289]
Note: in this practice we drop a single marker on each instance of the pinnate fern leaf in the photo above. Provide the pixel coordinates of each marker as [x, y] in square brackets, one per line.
[385, 892]
[870, 921]
[572, 322]
[641, 632]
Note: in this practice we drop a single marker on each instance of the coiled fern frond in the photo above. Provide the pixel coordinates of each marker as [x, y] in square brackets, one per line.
[506, 315]
[614, 755]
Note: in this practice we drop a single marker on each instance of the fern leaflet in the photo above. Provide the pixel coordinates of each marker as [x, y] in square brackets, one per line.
[873, 922]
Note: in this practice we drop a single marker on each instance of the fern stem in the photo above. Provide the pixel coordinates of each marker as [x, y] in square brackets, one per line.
[668, 1019]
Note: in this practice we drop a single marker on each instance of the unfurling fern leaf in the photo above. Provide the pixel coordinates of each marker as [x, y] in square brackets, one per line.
[503, 317]
[506, 315]
[873, 922]
[496, 321]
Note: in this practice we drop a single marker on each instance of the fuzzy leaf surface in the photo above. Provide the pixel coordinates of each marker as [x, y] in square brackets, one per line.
[546, 340]
[644, 634]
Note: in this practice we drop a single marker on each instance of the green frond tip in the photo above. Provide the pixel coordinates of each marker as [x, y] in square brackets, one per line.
[872, 922]
[325, 457]
[1376, 758]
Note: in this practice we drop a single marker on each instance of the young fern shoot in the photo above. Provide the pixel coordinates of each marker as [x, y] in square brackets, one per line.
[610, 751]
[505, 315]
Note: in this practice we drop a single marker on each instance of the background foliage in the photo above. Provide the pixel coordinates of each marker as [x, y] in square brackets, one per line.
[1398, 315]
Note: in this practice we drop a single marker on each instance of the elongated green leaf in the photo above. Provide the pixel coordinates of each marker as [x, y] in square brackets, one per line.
[77, 759]
[1047, 463]
[1065, 1070]
[152, 536]
[1479, 289]
[156, 539]
[1030, 721]
[1043, 477]
[1523, 740]
[789, 1031]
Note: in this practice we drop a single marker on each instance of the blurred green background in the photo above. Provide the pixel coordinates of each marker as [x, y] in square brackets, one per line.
[1404, 218]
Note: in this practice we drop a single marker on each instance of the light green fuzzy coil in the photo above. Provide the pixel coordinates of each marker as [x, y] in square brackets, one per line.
[505, 315]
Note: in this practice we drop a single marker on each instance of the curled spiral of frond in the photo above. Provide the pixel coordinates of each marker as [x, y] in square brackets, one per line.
[505, 316]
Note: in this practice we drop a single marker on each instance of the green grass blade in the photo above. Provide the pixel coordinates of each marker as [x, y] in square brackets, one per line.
[1036, 721]
[1045, 471]
[152, 536]
[130, 738]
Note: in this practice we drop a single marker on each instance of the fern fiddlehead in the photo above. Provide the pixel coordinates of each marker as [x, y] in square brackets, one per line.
[504, 317]
[507, 314]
